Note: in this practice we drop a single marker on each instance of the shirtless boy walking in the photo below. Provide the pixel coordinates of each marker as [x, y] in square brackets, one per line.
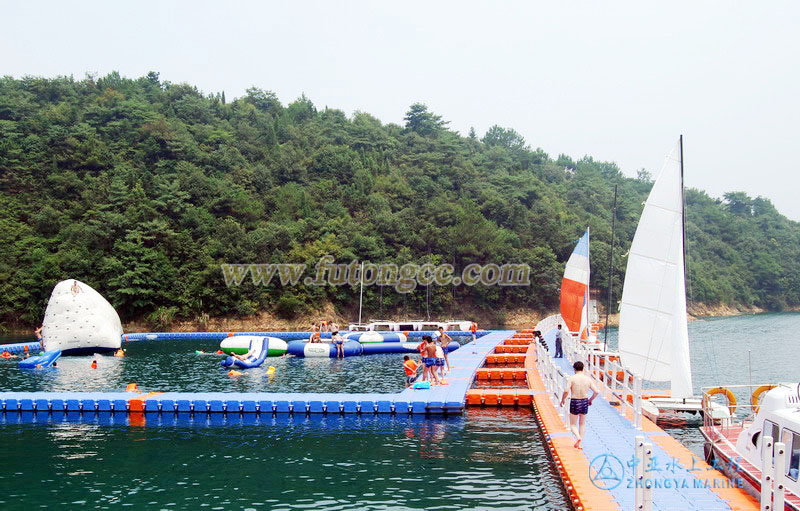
[578, 387]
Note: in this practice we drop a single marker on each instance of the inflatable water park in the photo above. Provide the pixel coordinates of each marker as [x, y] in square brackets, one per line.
[495, 369]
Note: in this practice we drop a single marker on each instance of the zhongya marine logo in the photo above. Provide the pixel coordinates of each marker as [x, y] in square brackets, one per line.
[606, 471]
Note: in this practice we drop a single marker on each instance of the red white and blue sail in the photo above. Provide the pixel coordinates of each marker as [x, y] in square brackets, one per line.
[575, 288]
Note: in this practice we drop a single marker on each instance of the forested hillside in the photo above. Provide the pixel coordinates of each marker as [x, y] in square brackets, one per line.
[142, 189]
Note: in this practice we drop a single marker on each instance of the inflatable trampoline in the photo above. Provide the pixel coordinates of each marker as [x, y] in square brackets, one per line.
[240, 344]
[376, 337]
[323, 349]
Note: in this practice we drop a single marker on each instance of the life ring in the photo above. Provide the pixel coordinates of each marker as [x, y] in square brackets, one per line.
[757, 394]
[728, 395]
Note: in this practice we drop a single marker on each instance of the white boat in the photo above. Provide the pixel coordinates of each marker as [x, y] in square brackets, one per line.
[653, 328]
[740, 448]
[411, 325]
[457, 325]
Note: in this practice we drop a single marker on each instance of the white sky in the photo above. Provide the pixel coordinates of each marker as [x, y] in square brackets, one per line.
[615, 80]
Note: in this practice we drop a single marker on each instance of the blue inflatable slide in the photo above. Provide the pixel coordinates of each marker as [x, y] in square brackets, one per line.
[44, 360]
[259, 349]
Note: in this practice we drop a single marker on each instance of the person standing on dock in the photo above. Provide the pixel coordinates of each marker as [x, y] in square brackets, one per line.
[559, 349]
[430, 359]
[578, 387]
[444, 340]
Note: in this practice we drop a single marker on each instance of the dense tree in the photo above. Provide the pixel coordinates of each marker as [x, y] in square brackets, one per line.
[142, 188]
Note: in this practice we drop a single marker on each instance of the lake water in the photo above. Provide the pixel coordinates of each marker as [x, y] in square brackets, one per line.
[485, 459]
[174, 366]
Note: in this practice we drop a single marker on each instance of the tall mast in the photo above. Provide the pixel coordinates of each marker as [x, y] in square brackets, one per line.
[611, 264]
[683, 214]
[588, 280]
[361, 294]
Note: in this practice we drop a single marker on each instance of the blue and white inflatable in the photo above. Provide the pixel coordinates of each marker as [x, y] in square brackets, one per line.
[259, 349]
[400, 347]
[44, 360]
[376, 337]
[323, 349]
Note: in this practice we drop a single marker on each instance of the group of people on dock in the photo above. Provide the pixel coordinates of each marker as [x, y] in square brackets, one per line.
[328, 326]
[433, 359]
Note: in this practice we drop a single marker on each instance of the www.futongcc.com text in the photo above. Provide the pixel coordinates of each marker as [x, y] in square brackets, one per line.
[403, 278]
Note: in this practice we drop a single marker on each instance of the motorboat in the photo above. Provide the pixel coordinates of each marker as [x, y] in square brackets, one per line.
[762, 448]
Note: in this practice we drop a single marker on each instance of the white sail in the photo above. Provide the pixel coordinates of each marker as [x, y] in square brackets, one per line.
[653, 333]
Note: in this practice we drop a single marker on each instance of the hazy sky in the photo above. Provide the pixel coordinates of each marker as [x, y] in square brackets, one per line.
[618, 81]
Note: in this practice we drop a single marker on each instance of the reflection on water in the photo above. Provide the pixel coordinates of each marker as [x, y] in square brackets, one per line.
[488, 459]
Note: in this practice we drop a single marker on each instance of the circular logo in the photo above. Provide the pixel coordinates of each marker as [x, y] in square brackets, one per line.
[606, 471]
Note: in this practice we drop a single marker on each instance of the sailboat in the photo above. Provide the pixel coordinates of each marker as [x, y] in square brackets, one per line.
[653, 328]
[575, 303]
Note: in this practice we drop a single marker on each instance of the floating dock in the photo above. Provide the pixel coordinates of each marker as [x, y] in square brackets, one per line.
[442, 399]
[601, 475]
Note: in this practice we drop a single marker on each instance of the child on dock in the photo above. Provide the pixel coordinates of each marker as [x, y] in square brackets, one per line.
[410, 367]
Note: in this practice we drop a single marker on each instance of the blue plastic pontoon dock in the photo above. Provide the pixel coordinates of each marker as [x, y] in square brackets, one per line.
[444, 399]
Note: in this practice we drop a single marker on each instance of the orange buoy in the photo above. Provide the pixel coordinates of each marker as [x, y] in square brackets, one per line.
[26, 348]
[94, 364]
[234, 373]
[132, 387]
[6, 354]
[230, 334]
[220, 352]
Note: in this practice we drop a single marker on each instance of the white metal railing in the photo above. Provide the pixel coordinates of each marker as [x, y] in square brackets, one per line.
[773, 454]
[616, 384]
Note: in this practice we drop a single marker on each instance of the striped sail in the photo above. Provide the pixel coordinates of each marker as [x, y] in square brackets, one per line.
[653, 333]
[575, 288]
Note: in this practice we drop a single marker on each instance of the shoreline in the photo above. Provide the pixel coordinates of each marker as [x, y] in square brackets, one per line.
[517, 319]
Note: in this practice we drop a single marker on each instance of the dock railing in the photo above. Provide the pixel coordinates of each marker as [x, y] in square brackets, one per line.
[614, 381]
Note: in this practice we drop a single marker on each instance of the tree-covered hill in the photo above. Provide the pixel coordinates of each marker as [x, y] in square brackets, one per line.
[142, 189]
